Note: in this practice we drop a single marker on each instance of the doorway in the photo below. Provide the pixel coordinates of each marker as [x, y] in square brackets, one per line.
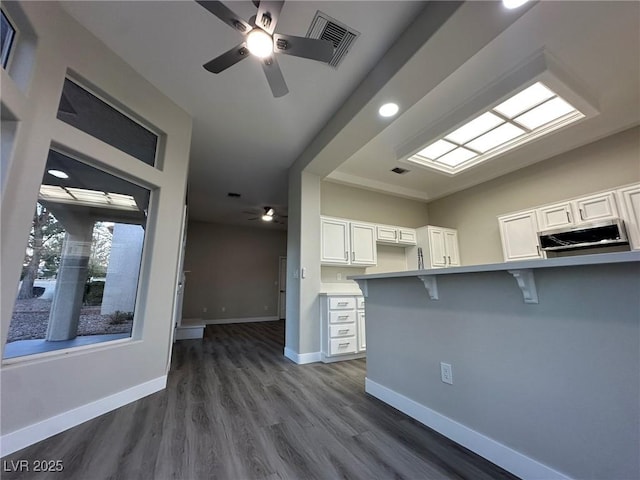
[282, 289]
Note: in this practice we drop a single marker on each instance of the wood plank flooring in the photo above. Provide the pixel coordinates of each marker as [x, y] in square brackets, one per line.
[235, 408]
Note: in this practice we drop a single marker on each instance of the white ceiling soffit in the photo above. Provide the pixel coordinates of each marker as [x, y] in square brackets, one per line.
[589, 42]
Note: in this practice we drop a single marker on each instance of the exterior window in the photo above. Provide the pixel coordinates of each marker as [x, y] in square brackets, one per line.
[8, 34]
[85, 111]
[80, 273]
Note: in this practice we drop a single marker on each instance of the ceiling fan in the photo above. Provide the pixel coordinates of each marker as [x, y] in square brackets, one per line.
[267, 214]
[261, 42]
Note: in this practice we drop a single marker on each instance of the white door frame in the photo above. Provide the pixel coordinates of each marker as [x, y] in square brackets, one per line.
[282, 287]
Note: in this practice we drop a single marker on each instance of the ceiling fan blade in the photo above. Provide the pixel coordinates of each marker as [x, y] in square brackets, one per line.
[274, 76]
[254, 218]
[227, 59]
[268, 14]
[226, 15]
[312, 48]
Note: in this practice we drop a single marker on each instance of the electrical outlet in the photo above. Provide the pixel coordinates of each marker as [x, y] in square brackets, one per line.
[266, 307]
[446, 373]
[204, 309]
[224, 309]
[339, 276]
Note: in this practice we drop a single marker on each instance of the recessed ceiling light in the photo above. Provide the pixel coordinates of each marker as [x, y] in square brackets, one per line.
[388, 109]
[58, 173]
[511, 4]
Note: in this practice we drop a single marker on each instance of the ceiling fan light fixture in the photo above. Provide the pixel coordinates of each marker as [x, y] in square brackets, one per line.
[259, 43]
[267, 218]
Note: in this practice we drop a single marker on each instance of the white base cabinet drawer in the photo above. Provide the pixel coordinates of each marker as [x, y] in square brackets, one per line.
[346, 330]
[342, 346]
[342, 317]
[342, 329]
[342, 303]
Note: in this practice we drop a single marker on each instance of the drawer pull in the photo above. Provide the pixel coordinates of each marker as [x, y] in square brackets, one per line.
[346, 344]
[341, 317]
[343, 304]
[346, 330]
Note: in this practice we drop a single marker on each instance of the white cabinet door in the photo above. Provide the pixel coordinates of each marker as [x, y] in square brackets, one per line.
[554, 216]
[335, 241]
[437, 248]
[386, 234]
[519, 233]
[451, 247]
[407, 236]
[362, 338]
[363, 244]
[630, 204]
[596, 207]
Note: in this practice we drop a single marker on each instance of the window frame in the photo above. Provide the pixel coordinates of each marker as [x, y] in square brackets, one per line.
[8, 49]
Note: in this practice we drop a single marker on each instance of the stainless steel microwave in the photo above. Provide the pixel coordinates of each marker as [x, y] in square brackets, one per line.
[585, 235]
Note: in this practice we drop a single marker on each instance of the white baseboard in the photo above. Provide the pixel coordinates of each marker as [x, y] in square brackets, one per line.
[496, 452]
[221, 321]
[302, 358]
[19, 439]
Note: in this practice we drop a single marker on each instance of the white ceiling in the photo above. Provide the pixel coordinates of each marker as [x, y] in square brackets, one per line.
[244, 140]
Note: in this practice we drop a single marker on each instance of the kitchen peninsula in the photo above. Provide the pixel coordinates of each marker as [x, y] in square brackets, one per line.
[541, 359]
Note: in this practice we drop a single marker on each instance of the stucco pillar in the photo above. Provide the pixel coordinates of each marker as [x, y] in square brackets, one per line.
[72, 275]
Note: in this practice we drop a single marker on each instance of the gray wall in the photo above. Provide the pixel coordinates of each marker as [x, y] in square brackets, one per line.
[34, 391]
[557, 381]
[359, 204]
[604, 164]
[232, 267]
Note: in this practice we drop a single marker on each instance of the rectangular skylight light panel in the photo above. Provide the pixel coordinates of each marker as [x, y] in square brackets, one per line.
[545, 113]
[54, 192]
[526, 99]
[475, 128]
[121, 200]
[456, 157]
[92, 196]
[496, 137]
[436, 149]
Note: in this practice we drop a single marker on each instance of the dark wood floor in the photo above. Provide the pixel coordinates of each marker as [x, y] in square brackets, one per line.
[235, 408]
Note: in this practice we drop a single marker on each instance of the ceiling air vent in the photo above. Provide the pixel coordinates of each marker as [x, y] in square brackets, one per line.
[327, 28]
[400, 171]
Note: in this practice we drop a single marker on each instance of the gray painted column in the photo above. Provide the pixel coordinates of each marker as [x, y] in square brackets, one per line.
[72, 274]
[121, 285]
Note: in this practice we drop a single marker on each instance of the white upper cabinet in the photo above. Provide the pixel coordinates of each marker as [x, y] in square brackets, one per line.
[451, 247]
[391, 235]
[555, 216]
[406, 236]
[519, 234]
[363, 244]
[437, 249]
[335, 248]
[596, 207]
[385, 234]
[347, 243]
[629, 201]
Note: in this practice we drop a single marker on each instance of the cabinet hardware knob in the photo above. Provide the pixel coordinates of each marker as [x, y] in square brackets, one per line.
[581, 214]
[449, 257]
[568, 217]
[346, 256]
[353, 256]
[444, 259]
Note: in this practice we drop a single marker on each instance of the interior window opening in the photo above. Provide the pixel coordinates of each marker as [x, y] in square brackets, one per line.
[82, 263]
